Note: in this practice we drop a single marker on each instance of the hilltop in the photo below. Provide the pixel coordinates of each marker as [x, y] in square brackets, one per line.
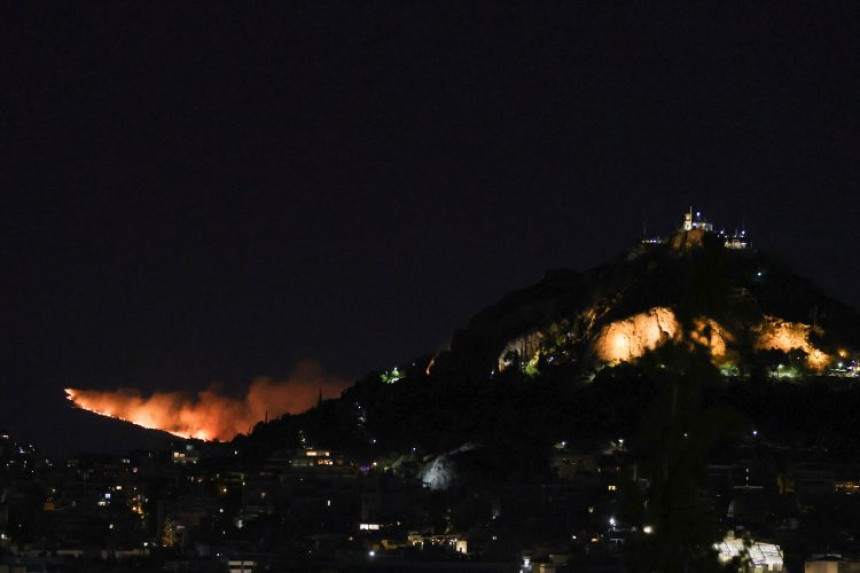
[738, 303]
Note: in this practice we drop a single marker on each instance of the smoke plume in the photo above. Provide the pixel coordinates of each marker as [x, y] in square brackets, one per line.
[212, 415]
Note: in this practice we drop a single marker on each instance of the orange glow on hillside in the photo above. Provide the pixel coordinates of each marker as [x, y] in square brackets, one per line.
[709, 333]
[628, 339]
[625, 340]
[778, 334]
[211, 415]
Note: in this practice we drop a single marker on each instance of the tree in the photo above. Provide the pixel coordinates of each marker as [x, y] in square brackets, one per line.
[675, 531]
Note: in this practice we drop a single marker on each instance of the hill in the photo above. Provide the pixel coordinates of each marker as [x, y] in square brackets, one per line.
[577, 357]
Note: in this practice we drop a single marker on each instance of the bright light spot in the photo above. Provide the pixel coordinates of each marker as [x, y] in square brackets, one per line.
[371, 553]
[612, 522]
[627, 339]
[648, 530]
[775, 333]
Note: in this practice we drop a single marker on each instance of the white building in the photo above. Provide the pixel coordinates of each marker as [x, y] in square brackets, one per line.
[762, 556]
[698, 222]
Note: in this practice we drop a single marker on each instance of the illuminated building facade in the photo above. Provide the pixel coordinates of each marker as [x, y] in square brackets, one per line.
[698, 222]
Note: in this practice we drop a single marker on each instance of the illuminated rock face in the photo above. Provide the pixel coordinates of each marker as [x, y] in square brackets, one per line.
[777, 334]
[628, 339]
[441, 473]
[526, 347]
[709, 333]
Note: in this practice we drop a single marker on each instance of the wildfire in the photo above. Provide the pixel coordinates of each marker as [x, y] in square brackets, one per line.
[211, 415]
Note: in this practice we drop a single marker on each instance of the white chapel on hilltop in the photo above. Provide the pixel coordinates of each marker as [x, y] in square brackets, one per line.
[693, 229]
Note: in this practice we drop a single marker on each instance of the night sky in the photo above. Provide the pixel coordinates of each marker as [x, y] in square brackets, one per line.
[200, 193]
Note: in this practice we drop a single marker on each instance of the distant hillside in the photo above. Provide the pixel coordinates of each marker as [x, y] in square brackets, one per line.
[101, 434]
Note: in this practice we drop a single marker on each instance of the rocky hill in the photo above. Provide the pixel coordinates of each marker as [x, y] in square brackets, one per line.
[736, 303]
[579, 356]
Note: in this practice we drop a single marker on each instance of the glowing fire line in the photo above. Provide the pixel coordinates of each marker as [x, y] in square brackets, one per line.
[76, 397]
[211, 415]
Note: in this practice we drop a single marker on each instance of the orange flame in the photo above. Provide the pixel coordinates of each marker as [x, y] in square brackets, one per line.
[212, 416]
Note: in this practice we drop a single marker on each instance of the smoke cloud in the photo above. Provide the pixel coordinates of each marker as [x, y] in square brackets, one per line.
[211, 415]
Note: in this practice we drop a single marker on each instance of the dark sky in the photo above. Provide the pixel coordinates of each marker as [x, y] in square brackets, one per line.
[205, 192]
